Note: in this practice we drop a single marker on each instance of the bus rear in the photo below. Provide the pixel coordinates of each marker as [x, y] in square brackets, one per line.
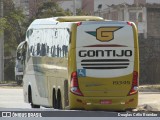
[106, 70]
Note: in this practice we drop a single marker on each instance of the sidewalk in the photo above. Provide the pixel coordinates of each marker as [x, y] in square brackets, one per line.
[149, 88]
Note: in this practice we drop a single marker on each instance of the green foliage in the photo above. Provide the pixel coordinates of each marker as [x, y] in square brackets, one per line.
[14, 22]
[13, 27]
[14, 32]
[50, 9]
[2, 24]
[79, 12]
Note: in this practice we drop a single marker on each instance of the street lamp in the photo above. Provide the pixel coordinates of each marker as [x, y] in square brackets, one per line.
[74, 7]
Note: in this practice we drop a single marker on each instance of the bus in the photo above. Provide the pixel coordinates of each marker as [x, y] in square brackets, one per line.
[81, 63]
[19, 64]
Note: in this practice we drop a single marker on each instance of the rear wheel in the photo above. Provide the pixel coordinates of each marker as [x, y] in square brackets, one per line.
[54, 102]
[59, 100]
[35, 106]
[30, 99]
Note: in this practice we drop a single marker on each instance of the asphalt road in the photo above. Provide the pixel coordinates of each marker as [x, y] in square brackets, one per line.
[13, 98]
[150, 98]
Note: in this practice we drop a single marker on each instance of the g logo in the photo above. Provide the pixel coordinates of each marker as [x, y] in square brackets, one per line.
[105, 34]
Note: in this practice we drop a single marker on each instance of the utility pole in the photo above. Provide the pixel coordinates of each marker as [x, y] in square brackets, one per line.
[1, 45]
[74, 7]
[137, 13]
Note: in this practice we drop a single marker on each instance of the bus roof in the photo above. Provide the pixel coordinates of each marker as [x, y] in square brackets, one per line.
[79, 18]
[54, 20]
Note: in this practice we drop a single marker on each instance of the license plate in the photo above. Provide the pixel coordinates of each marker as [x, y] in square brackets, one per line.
[106, 102]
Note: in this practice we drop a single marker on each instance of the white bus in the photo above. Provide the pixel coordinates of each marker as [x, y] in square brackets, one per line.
[81, 62]
[19, 63]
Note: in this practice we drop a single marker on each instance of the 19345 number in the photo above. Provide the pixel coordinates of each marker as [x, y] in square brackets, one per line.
[121, 82]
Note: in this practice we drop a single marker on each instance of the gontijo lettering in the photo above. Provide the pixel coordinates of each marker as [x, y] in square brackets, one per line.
[105, 53]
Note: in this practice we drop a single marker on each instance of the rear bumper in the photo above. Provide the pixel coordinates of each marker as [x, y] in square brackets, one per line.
[93, 103]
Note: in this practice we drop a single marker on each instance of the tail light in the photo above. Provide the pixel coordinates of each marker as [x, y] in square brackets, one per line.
[134, 87]
[74, 84]
[79, 23]
[129, 23]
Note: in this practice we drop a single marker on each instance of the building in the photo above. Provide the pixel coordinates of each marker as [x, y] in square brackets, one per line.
[88, 7]
[126, 12]
[138, 11]
[94, 7]
[144, 13]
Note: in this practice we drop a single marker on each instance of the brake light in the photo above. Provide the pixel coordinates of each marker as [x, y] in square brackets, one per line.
[129, 23]
[134, 87]
[135, 78]
[79, 23]
[74, 84]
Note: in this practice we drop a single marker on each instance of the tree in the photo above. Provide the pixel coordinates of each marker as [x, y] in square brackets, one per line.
[14, 32]
[14, 24]
[50, 9]
[13, 27]
[2, 24]
[80, 12]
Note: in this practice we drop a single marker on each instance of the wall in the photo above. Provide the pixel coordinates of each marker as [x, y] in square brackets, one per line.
[136, 2]
[153, 22]
[149, 61]
[88, 6]
[152, 1]
[110, 2]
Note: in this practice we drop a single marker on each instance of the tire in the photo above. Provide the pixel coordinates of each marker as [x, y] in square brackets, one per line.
[34, 106]
[54, 102]
[30, 99]
[59, 100]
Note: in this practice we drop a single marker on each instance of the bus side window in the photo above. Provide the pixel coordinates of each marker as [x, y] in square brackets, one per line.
[53, 50]
[65, 50]
[69, 34]
[38, 49]
[47, 49]
[43, 49]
